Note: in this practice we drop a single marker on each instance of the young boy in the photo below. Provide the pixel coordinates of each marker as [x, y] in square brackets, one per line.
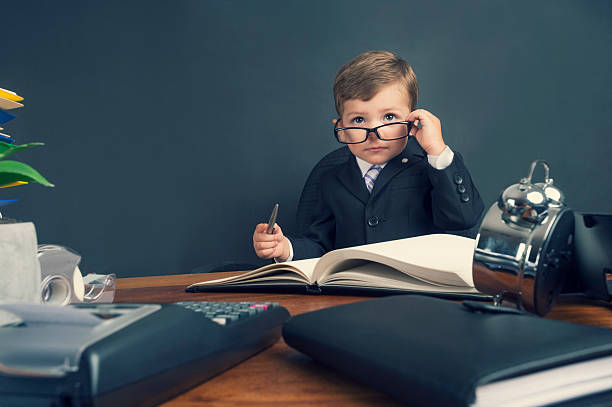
[401, 179]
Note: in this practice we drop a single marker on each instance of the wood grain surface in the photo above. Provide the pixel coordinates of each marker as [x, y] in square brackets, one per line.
[281, 376]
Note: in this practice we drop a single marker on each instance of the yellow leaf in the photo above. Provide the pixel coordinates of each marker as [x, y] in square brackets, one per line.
[13, 184]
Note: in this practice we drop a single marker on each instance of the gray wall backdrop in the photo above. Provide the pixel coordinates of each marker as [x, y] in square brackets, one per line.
[171, 127]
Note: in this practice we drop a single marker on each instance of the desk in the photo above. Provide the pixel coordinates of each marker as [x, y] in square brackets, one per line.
[280, 375]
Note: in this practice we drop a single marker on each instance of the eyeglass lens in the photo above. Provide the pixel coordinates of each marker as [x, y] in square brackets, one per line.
[388, 132]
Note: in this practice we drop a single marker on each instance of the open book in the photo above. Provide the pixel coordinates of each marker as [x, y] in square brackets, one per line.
[438, 263]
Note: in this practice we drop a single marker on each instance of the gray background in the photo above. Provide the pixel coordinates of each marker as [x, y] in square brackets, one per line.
[171, 127]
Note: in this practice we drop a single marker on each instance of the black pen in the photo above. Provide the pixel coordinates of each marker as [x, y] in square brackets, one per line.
[272, 220]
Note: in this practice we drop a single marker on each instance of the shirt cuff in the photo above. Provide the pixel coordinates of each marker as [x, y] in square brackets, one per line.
[440, 162]
[277, 260]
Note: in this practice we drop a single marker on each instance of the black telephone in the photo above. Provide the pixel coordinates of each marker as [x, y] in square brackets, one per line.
[592, 261]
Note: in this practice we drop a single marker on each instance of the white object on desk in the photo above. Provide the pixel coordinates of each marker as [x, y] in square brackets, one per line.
[19, 268]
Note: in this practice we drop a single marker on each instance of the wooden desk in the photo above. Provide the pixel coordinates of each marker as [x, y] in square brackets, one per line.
[280, 375]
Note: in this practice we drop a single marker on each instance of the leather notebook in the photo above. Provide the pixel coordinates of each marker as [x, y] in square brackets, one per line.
[427, 351]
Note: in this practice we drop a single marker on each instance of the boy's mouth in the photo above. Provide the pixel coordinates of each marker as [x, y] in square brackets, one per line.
[375, 149]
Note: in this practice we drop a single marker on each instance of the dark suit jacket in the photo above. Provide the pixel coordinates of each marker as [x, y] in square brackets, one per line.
[409, 198]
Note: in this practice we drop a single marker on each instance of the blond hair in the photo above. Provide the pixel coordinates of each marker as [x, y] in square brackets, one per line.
[362, 77]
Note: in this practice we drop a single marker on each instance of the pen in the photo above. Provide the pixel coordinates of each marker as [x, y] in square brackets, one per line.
[272, 220]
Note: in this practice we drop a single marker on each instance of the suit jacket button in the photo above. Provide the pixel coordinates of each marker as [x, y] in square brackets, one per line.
[460, 189]
[465, 198]
[458, 179]
[373, 221]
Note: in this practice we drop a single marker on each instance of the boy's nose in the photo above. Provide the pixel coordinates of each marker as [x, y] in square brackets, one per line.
[372, 133]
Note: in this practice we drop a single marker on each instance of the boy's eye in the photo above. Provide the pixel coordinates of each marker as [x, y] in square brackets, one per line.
[390, 117]
[358, 120]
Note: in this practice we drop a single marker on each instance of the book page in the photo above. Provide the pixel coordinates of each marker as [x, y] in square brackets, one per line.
[299, 271]
[381, 276]
[550, 386]
[438, 259]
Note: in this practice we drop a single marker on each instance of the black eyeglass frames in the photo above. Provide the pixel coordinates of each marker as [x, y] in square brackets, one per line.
[387, 132]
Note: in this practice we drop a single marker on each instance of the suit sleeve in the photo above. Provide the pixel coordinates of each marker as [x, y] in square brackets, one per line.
[456, 203]
[320, 235]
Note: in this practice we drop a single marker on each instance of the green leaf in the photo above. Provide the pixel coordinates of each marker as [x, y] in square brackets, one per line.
[13, 171]
[7, 149]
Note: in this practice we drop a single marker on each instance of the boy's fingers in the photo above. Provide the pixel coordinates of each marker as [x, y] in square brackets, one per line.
[413, 116]
[265, 245]
[264, 237]
[266, 253]
[416, 126]
[262, 228]
[422, 117]
[419, 115]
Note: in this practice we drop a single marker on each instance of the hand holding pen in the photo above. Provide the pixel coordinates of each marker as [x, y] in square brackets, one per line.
[269, 241]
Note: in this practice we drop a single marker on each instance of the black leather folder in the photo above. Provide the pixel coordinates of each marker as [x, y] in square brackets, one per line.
[431, 352]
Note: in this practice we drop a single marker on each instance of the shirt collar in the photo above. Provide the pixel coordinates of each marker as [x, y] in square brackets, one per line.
[364, 166]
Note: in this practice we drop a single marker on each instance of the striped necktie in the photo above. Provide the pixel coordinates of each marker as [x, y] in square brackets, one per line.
[370, 176]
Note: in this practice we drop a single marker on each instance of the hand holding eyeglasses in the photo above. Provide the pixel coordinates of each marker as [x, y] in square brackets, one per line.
[427, 130]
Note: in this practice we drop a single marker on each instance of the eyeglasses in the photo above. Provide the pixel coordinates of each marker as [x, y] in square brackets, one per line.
[387, 132]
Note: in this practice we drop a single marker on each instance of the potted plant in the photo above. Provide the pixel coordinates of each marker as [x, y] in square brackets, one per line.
[20, 277]
[13, 173]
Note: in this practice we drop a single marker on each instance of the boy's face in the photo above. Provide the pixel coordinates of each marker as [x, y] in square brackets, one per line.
[390, 104]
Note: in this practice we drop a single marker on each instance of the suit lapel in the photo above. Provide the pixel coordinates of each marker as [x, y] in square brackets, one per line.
[410, 156]
[351, 178]
[350, 174]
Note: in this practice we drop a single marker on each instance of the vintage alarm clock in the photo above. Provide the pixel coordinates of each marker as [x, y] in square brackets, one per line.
[524, 245]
